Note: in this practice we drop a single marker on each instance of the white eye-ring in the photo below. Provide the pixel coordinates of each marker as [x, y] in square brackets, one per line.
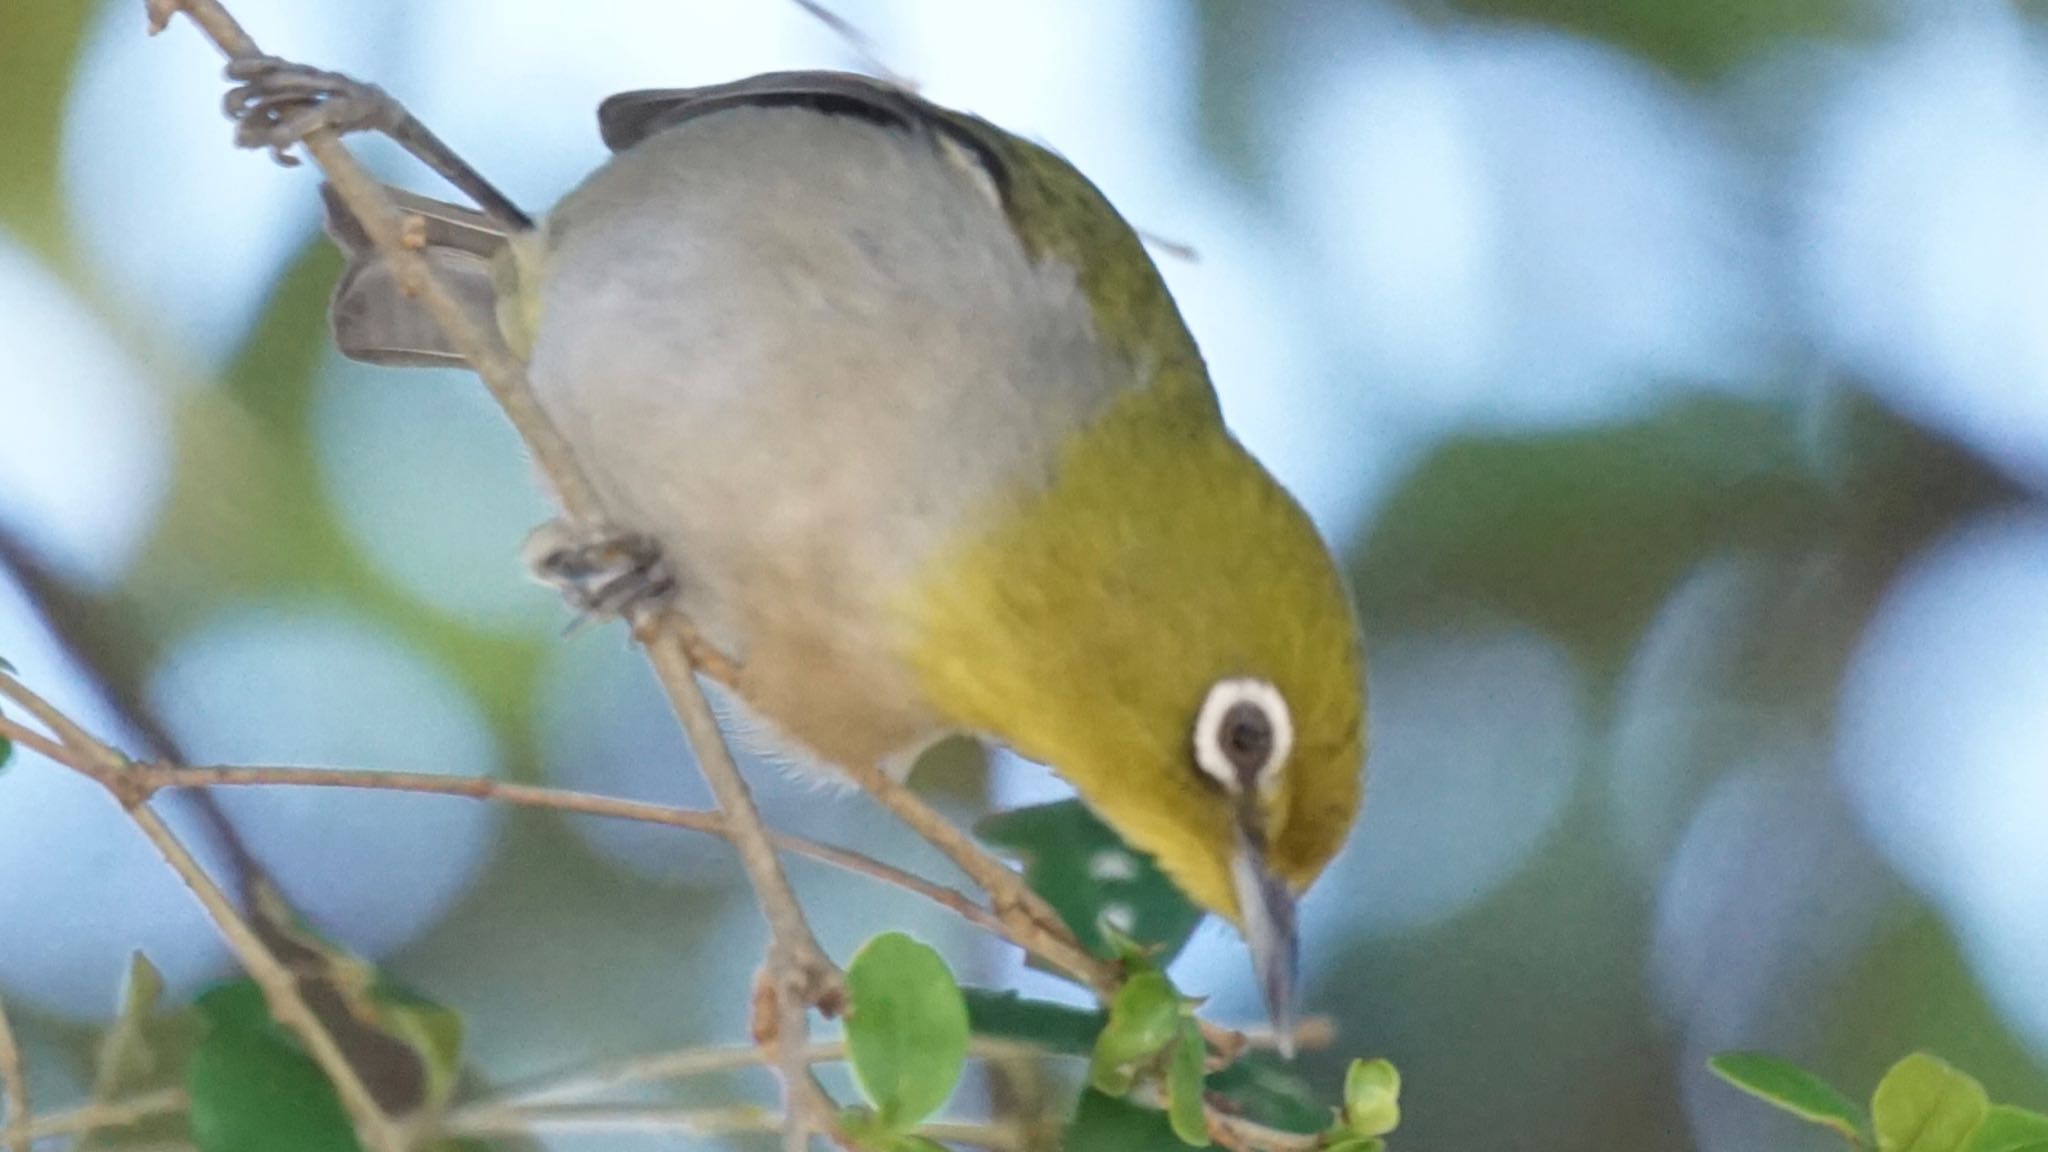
[1243, 734]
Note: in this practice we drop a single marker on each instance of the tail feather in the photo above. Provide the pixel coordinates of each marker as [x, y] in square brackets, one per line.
[374, 319]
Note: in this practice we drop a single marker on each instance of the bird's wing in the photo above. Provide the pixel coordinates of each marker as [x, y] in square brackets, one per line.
[628, 118]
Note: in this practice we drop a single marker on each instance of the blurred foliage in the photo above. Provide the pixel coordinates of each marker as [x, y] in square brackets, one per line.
[36, 54]
[1693, 38]
[1921, 1105]
[1521, 1019]
[1583, 533]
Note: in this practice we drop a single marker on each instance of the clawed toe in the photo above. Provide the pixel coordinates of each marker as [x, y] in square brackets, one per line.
[602, 574]
[276, 104]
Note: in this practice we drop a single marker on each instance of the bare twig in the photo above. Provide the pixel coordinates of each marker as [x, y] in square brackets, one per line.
[17, 1132]
[114, 1114]
[683, 1063]
[34, 741]
[1029, 920]
[699, 1123]
[280, 988]
[159, 776]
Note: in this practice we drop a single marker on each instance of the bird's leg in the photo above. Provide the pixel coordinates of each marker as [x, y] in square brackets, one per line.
[276, 104]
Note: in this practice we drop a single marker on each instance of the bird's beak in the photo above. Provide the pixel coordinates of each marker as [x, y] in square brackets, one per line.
[1267, 909]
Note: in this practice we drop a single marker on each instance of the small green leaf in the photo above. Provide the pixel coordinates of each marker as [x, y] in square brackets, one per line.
[145, 1049]
[1790, 1088]
[252, 1089]
[1184, 1104]
[1372, 1098]
[1106, 1124]
[1144, 1017]
[2009, 1129]
[1090, 877]
[1054, 1027]
[906, 1028]
[1923, 1105]
[1355, 1143]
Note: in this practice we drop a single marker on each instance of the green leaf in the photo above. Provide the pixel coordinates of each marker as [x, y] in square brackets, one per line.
[1106, 1124]
[2009, 1129]
[906, 1028]
[1184, 1105]
[1923, 1105]
[1355, 1143]
[1088, 875]
[252, 1089]
[1372, 1097]
[1144, 1017]
[1790, 1088]
[1061, 1028]
[1268, 1090]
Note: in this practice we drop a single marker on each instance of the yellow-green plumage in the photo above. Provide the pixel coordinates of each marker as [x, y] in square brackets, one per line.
[1085, 625]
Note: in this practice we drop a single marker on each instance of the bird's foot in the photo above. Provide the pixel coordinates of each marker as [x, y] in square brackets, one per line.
[276, 104]
[601, 573]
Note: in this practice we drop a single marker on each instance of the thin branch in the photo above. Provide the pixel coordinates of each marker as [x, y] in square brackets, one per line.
[280, 989]
[683, 1063]
[159, 776]
[1029, 920]
[32, 740]
[792, 942]
[18, 1130]
[109, 769]
[115, 1114]
[700, 1123]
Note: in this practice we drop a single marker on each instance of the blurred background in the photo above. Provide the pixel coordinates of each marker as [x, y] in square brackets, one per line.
[1672, 375]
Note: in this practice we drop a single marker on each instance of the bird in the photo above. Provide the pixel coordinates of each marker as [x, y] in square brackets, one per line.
[894, 407]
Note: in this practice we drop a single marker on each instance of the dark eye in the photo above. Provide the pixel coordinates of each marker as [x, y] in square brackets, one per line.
[1242, 733]
[1246, 738]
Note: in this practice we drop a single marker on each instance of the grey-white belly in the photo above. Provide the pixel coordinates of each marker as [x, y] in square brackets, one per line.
[802, 351]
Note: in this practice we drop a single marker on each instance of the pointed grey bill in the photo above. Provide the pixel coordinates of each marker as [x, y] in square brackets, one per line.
[1267, 909]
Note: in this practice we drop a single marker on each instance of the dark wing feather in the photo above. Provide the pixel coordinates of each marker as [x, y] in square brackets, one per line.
[630, 117]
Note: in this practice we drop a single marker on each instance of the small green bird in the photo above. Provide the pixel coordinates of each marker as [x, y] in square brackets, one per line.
[923, 446]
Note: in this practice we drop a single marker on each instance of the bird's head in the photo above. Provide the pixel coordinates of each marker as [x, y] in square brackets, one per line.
[1163, 626]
